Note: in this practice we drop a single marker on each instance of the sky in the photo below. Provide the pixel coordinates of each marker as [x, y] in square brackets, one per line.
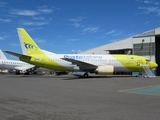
[70, 26]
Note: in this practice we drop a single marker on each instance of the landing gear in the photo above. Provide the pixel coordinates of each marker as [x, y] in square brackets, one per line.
[18, 72]
[61, 73]
[28, 73]
[85, 75]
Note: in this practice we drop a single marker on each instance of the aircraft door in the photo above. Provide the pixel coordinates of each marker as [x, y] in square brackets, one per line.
[139, 62]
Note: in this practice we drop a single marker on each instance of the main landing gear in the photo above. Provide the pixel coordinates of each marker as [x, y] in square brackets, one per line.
[85, 75]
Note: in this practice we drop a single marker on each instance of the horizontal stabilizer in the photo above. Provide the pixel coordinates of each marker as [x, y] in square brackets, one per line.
[18, 55]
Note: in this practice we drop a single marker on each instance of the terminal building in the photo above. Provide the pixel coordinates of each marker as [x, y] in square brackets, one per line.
[146, 44]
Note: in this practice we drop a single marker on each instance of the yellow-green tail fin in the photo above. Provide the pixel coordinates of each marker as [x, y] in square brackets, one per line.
[29, 47]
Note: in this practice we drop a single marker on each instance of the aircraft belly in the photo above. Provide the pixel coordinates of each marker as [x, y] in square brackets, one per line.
[121, 69]
[72, 67]
[3, 65]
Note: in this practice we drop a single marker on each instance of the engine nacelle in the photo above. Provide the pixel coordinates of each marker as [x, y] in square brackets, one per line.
[105, 70]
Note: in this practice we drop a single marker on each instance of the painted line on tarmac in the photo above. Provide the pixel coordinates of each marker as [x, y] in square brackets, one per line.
[148, 90]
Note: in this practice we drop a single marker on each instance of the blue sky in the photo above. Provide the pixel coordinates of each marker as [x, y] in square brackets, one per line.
[62, 26]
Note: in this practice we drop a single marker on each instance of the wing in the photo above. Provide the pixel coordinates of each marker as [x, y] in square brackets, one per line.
[82, 65]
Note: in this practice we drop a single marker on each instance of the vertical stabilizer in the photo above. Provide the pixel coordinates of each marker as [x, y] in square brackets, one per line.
[29, 47]
[2, 56]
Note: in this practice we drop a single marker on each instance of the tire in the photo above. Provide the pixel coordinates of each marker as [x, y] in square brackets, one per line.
[85, 75]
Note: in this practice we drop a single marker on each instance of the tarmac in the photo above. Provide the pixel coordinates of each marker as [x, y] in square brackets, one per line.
[67, 97]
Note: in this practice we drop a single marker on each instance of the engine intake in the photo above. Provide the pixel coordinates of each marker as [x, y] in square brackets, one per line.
[105, 70]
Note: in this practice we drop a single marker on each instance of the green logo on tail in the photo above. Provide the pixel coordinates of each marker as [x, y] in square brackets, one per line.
[29, 46]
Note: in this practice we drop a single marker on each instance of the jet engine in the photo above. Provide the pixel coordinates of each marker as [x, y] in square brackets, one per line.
[105, 70]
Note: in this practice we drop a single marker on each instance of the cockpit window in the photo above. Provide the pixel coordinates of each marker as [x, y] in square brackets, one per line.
[147, 60]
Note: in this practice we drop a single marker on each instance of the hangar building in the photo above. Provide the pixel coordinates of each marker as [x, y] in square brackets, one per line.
[145, 44]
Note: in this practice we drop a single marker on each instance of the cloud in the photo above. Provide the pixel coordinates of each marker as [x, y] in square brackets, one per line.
[24, 12]
[72, 40]
[1, 38]
[5, 20]
[153, 8]
[27, 23]
[14, 44]
[110, 32]
[156, 3]
[76, 22]
[2, 4]
[36, 28]
[33, 23]
[39, 18]
[38, 11]
[148, 10]
[117, 34]
[148, 2]
[38, 40]
[91, 29]
[44, 9]
[147, 23]
[113, 33]
[42, 42]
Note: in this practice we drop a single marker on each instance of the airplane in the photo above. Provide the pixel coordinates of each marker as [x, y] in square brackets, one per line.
[19, 66]
[88, 63]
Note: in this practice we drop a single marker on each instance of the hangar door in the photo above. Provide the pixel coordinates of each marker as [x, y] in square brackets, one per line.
[157, 55]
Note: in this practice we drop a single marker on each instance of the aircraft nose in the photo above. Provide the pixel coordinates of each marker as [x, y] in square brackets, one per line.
[153, 65]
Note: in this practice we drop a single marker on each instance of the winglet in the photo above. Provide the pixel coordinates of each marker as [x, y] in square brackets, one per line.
[2, 56]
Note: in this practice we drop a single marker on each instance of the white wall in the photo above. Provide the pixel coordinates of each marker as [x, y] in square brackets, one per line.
[118, 45]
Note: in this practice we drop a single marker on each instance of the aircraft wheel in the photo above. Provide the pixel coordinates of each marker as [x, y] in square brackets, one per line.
[85, 75]
[18, 72]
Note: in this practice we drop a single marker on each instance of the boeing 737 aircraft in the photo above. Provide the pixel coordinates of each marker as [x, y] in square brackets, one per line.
[87, 63]
[14, 64]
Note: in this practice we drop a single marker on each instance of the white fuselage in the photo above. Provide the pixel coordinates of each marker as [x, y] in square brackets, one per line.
[13, 64]
[97, 60]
